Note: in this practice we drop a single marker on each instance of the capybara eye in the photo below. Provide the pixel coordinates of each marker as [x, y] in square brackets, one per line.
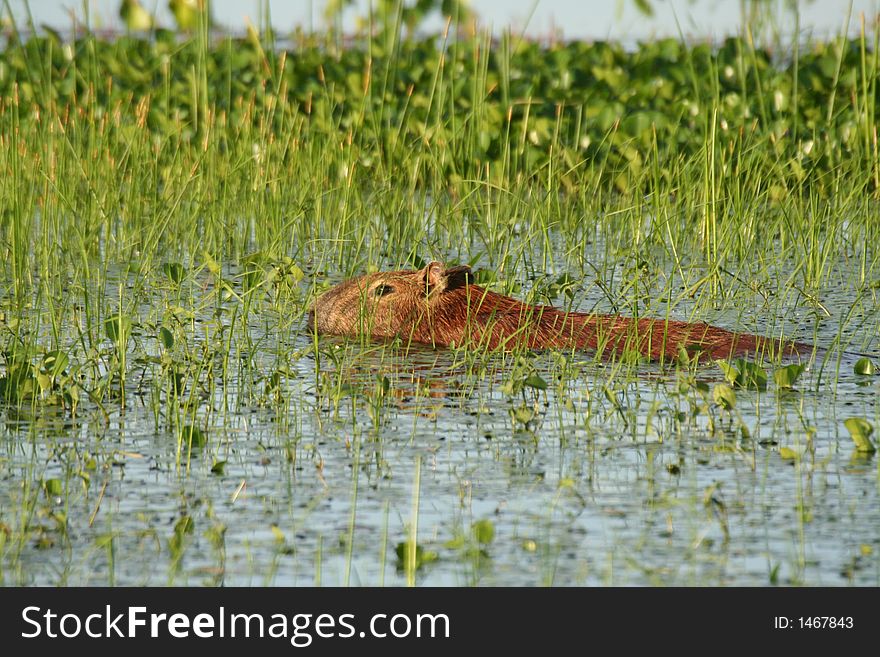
[382, 290]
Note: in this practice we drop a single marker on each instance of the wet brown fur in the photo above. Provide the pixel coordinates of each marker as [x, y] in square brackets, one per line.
[442, 307]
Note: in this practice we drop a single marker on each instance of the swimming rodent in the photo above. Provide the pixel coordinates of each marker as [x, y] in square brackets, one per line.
[442, 306]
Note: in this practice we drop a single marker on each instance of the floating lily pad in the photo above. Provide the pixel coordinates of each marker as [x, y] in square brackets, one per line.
[861, 430]
[864, 366]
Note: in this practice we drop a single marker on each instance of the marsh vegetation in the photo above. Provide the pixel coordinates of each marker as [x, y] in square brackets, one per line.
[170, 205]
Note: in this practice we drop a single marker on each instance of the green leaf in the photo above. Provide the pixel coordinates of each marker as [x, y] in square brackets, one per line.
[422, 556]
[535, 381]
[457, 542]
[135, 17]
[193, 435]
[253, 278]
[731, 374]
[186, 13]
[19, 382]
[644, 7]
[219, 468]
[116, 327]
[44, 381]
[744, 374]
[104, 540]
[688, 355]
[484, 531]
[724, 396]
[861, 430]
[174, 271]
[292, 270]
[786, 377]
[166, 337]
[524, 414]
[212, 265]
[864, 366]
[54, 363]
[53, 487]
[752, 375]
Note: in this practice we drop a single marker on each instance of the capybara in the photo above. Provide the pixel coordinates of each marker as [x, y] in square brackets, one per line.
[443, 307]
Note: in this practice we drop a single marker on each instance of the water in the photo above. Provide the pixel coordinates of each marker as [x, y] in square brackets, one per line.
[622, 474]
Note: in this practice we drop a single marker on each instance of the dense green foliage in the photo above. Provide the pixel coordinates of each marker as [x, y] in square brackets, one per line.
[196, 127]
[596, 110]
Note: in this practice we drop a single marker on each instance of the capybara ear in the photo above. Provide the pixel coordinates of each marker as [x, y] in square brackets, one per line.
[458, 276]
[433, 275]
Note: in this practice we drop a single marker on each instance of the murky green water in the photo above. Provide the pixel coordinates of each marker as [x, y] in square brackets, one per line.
[615, 474]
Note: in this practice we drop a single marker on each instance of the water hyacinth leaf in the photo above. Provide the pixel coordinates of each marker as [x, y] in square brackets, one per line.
[104, 540]
[731, 374]
[135, 17]
[752, 375]
[786, 377]
[256, 259]
[193, 435]
[53, 487]
[174, 271]
[484, 531]
[290, 270]
[744, 374]
[535, 381]
[251, 279]
[645, 7]
[404, 550]
[688, 354]
[524, 414]
[567, 284]
[116, 327]
[484, 276]
[864, 366]
[187, 13]
[860, 430]
[166, 337]
[44, 381]
[54, 363]
[348, 390]
[724, 396]
[19, 383]
[212, 265]
[456, 542]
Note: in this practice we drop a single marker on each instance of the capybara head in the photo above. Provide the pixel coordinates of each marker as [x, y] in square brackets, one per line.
[389, 304]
